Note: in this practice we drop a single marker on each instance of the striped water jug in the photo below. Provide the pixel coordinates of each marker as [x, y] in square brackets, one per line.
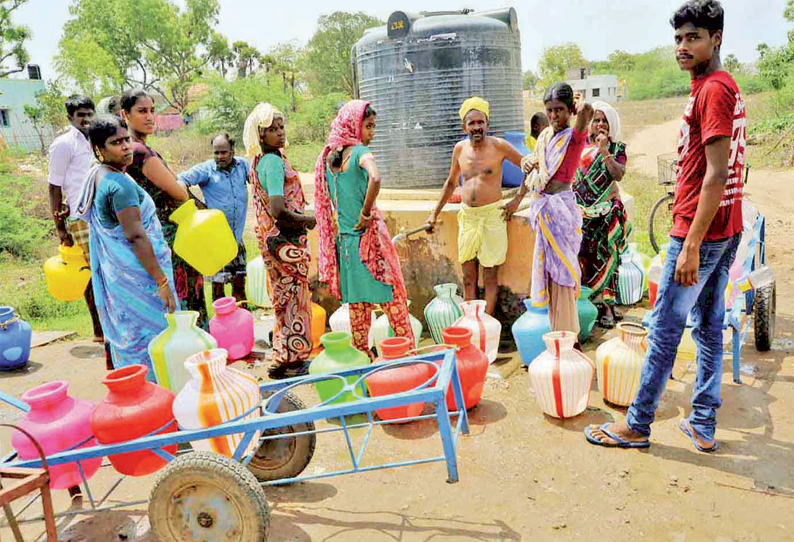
[485, 329]
[172, 346]
[442, 311]
[256, 286]
[630, 280]
[561, 376]
[619, 362]
[214, 395]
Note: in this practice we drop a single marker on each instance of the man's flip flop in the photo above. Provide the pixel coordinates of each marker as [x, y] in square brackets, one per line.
[620, 443]
[685, 428]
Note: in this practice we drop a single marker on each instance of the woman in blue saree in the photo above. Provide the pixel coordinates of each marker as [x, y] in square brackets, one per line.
[130, 260]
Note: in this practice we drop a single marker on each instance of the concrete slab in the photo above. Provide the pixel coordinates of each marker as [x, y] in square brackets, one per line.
[41, 338]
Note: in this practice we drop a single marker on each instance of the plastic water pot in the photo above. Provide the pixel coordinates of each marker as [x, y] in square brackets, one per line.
[134, 408]
[172, 346]
[214, 395]
[58, 422]
[203, 238]
[15, 337]
[67, 274]
[338, 354]
[528, 331]
[233, 328]
[398, 379]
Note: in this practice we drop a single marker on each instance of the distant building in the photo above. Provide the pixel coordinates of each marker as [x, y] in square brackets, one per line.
[15, 127]
[593, 87]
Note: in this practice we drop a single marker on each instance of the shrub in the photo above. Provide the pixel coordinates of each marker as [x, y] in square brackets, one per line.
[23, 229]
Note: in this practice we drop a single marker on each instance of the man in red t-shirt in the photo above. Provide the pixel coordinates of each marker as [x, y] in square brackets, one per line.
[707, 227]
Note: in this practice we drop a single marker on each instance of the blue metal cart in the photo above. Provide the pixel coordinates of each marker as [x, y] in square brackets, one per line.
[207, 496]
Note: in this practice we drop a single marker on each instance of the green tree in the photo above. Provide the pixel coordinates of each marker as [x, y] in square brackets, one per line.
[153, 44]
[621, 61]
[732, 63]
[12, 39]
[285, 57]
[246, 58]
[220, 55]
[530, 80]
[48, 115]
[326, 60]
[556, 60]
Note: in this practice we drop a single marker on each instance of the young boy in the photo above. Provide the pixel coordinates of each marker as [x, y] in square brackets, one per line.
[707, 227]
[482, 220]
[70, 160]
[538, 123]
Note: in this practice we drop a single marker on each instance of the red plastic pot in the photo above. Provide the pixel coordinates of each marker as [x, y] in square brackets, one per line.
[399, 379]
[134, 408]
[472, 366]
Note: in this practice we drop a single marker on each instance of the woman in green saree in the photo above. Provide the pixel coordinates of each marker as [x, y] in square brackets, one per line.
[605, 225]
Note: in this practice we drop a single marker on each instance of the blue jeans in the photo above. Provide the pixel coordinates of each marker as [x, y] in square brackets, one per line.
[706, 302]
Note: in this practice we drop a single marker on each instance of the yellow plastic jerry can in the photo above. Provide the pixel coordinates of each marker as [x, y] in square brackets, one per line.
[67, 274]
[203, 238]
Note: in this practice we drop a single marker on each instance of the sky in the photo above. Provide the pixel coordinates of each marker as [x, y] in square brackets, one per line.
[629, 25]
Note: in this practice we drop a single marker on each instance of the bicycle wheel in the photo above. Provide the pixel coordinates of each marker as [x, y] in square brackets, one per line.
[661, 221]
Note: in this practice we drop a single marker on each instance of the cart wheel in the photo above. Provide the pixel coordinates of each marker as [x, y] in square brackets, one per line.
[284, 457]
[204, 496]
[764, 317]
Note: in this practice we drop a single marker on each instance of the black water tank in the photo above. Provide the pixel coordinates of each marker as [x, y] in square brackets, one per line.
[34, 72]
[418, 70]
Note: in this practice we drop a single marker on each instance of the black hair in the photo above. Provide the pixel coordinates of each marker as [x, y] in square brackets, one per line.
[335, 156]
[706, 14]
[538, 118]
[104, 127]
[560, 91]
[224, 135]
[78, 101]
[131, 97]
[114, 102]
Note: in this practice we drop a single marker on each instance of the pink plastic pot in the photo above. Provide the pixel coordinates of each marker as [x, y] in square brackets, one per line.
[233, 328]
[58, 422]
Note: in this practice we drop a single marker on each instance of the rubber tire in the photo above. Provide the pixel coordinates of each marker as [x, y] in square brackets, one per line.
[302, 453]
[229, 477]
[764, 317]
[664, 201]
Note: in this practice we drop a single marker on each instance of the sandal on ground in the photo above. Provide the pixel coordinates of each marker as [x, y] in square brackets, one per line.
[280, 371]
[619, 442]
[686, 429]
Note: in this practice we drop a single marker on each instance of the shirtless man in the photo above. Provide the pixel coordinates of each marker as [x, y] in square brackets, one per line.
[482, 220]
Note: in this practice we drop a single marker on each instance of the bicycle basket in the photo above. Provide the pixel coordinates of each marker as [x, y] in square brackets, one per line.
[667, 168]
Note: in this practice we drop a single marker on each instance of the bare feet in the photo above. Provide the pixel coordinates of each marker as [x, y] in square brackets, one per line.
[624, 437]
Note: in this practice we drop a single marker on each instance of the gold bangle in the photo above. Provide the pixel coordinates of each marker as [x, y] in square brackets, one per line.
[366, 217]
[162, 283]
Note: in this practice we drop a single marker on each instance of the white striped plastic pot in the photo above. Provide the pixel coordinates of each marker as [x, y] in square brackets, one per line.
[619, 362]
[485, 329]
[561, 377]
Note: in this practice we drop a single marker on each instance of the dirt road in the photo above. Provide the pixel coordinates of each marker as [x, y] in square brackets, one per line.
[525, 476]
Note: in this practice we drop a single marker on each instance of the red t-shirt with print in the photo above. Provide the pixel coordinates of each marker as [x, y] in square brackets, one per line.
[715, 109]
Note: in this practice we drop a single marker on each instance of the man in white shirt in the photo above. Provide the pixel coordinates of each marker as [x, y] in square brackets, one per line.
[70, 160]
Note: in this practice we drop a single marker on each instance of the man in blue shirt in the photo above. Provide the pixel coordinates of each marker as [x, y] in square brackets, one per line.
[224, 184]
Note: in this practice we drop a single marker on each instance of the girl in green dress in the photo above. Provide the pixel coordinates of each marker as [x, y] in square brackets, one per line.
[356, 256]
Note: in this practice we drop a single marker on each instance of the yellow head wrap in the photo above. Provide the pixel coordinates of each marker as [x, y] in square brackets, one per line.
[261, 117]
[475, 103]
